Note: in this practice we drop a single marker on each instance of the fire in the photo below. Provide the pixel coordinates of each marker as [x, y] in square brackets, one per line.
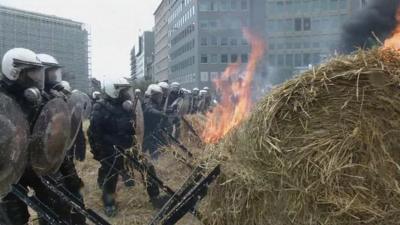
[394, 40]
[234, 86]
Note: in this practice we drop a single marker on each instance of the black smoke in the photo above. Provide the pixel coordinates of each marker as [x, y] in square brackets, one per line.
[379, 17]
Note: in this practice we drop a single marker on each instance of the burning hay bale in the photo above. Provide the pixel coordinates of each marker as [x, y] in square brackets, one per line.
[324, 148]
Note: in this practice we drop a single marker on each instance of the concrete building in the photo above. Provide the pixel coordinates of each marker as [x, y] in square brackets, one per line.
[206, 35]
[65, 39]
[161, 38]
[145, 56]
[133, 63]
[304, 32]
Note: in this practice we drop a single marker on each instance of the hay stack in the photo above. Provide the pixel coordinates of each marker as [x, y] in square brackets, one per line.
[324, 148]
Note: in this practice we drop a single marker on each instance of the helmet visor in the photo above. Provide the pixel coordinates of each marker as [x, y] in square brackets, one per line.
[126, 93]
[53, 76]
[32, 77]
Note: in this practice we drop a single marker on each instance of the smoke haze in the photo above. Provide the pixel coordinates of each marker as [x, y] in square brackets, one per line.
[378, 17]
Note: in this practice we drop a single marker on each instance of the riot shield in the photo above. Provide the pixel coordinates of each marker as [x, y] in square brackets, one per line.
[86, 104]
[49, 137]
[182, 106]
[75, 105]
[14, 130]
[139, 124]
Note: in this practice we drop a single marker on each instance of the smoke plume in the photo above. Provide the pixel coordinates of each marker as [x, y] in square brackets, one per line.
[379, 17]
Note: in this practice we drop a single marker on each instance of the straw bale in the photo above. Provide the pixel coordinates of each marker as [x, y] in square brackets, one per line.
[323, 148]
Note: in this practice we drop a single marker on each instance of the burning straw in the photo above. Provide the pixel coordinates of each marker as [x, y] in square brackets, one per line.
[321, 149]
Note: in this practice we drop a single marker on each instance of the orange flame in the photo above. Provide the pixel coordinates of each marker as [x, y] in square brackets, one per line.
[235, 89]
[394, 40]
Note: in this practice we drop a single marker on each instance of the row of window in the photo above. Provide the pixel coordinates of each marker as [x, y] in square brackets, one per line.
[323, 23]
[223, 23]
[175, 13]
[223, 58]
[305, 44]
[183, 49]
[294, 60]
[183, 34]
[222, 5]
[185, 17]
[185, 79]
[206, 76]
[183, 64]
[223, 41]
[311, 6]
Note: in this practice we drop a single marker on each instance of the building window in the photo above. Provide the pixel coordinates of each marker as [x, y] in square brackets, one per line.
[224, 58]
[297, 24]
[234, 58]
[203, 58]
[214, 41]
[244, 5]
[224, 41]
[214, 58]
[315, 44]
[203, 24]
[333, 5]
[214, 75]
[272, 46]
[244, 58]
[234, 42]
[307, 24]
[212, 23]
[363, 3]
[316, 59]
[281, 60]
[203, 6]
[244, 42]
[212, 6]
[289, 60]
[306, 59]
[204, 76]
[224, 5]
[272, 60]
[289, 45]
[343, 4]
[234, 4]
[297, 60]
[203, 41]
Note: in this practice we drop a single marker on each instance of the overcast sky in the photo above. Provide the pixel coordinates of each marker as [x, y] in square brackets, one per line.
[114, 25]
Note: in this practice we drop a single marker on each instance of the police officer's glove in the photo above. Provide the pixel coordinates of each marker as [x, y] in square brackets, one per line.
[169, 110]
[181, 93]
[175, 119]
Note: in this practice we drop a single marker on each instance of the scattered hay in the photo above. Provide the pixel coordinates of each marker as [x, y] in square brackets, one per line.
[323, 148]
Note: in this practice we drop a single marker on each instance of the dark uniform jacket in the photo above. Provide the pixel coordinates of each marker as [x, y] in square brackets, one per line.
[110, 125]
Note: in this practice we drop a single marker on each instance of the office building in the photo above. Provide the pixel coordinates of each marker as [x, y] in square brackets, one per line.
[206, 36]
[133, 63]
[66, 40]
[161, 38]
[145, 56]
[301, 33]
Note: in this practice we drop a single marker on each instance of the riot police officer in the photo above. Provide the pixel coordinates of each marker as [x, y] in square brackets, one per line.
[96, 96]
[154, 119]
[175, 93]
[23, 79]
[207, 99]
[165, 91]
[55, 87]
[111, 124]
[196, 99]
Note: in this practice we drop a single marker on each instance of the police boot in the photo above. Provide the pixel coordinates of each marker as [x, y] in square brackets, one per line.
[128, 180]
[159, 201]
[110, 209]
